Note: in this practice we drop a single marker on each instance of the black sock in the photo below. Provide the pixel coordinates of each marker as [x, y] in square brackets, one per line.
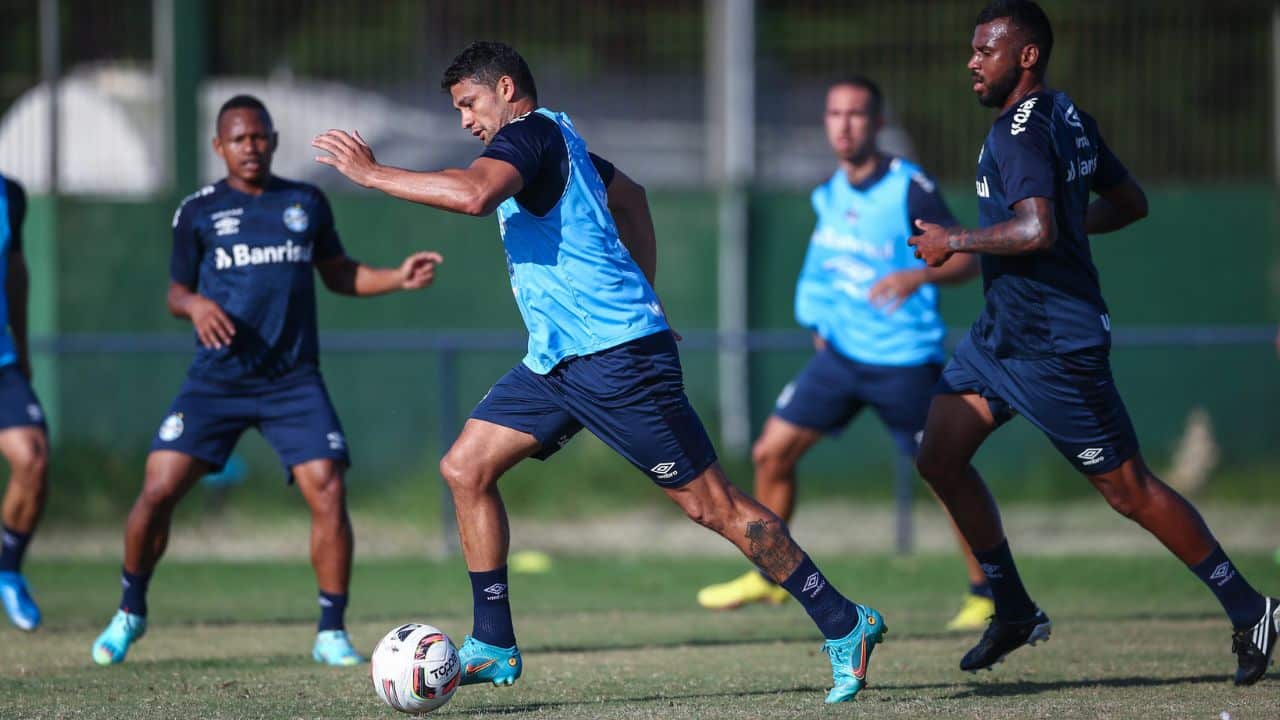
[1243, 604]
[332, 608]
[14, 547]
[491, 609]
[833, 613]
[134, 598]
[1012, 601]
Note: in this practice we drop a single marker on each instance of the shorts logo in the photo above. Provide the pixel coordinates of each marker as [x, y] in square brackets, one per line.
[496, 591]
[336, 441]
[1092, 456]
[784, 397]
[172, 427]
[992, 571]
[1223, 573]
[34, 412]
[664, 471]
[815, 583]
[295, 218]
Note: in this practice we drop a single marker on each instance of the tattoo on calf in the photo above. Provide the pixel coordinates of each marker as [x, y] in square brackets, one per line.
[771, 548]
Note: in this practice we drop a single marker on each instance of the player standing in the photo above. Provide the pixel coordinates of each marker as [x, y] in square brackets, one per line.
[1041, 346]
[873, 311]
[241, 271]
[23, 438]
[581, 255]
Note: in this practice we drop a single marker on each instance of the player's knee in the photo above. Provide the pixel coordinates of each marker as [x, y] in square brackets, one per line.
[29, 464]
[770, 458]
[328, 492]
[930, 466]
[1127, 493]
[463, 475]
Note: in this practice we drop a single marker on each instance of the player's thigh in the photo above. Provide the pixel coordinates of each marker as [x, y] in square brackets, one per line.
[824, 396]
[204, 423]
[901, 397]
[170, 474]
[519, 409]
[483, 451]
[783, 442]
[301, 425]
[957, 425]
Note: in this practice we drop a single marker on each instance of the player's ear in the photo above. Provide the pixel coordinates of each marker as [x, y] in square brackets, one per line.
[275, 140]
[217, 146]
[1029, 57]
[507, 88]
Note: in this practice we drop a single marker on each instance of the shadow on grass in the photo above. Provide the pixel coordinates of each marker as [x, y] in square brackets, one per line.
[514, 709]
[1031, 687]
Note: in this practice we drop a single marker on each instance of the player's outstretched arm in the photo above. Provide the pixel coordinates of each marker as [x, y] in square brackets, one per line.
[347, 276]
[1031, 229]
[1116, 207]
[475, 190]
[629, 207]
[212, 325]
[893, 289]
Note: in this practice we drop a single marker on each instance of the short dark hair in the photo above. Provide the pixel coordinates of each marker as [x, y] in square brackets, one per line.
[865, 83]
[242, 102]
[485, 61]
[1028, 17]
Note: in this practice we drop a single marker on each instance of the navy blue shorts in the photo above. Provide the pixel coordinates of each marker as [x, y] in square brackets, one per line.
[832, 389]
[297, 420]
[1072, 398]
[630, 396]
[18, 404]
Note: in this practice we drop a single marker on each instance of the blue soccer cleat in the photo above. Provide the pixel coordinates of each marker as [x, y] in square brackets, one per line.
[851, 653]
[333, 647]
[113, 644]
[482, 662]
[17, 601]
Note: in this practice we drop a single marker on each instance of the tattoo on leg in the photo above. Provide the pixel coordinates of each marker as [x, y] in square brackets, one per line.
[771, 548]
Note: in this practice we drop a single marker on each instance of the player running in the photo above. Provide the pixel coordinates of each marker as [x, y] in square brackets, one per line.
[241, 271]
[1041, 346]
[873, 310]
[23, 438]
[581, 254]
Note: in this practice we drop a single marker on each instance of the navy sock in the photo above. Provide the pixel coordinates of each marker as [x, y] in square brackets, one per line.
[1243, 604]
[833, 613]
[491, 609]
[134, 598]
[15, 546]
[332, 607]
[982, 589]
[1012, 601]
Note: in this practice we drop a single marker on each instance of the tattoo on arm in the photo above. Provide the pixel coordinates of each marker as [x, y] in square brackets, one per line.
[1031, 229]
[771, 548]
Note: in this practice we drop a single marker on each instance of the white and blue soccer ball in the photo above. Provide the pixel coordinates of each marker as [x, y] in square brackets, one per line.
[415, 668]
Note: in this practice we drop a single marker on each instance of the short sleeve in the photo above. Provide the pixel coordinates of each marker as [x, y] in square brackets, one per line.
[924, 202]
[523, 143]
[604, 167]
[184, 262]
[17, 213]
[1024, 152]
[326, 243]
[1110, 171]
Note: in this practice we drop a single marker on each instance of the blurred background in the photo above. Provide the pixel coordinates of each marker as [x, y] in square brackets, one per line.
[715, 106]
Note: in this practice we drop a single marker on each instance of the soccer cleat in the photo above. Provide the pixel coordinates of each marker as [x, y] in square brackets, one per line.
[851, 653]
[1255, 645]
[333, 647]
[482, 662]
[113, 644]
[974, 613]
[17, 601]
[749, 588]
[1003, 637]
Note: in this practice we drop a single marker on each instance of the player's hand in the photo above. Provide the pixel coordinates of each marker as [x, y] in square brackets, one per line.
[213, 327]
[893, 289]
[348, 154]
[419, 270]
[819, 342]
[933, 246]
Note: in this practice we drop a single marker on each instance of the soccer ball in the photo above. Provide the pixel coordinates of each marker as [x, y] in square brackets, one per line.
[415, 668]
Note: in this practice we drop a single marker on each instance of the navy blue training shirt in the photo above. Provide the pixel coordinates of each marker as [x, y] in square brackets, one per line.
[1044, 303]
[534, 145]
[253, 256]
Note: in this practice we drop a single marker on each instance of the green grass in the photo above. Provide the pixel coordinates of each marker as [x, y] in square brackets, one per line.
[622, 639]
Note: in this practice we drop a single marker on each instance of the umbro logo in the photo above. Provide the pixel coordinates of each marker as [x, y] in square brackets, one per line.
[815, 583]
[1223, 573]
[992, 571]
[1092, 456]
[664, 471]
[496, 591]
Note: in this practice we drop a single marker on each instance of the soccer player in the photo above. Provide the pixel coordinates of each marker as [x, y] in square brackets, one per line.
[581, 255]
[241, 271]
[1040, 348]
[23, 440]
[873, 311]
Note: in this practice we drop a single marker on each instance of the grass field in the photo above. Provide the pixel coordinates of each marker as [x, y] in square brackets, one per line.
[1133, 637]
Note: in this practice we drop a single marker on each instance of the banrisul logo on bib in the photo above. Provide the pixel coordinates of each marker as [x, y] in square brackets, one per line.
[295, 218]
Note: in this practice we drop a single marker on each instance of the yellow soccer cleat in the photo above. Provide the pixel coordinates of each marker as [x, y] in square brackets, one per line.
[749, 588]
[974, 613]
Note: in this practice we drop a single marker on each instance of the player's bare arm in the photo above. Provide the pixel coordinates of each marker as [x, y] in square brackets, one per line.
[1031, 229]
[212, 325]
[893, 289]
[629, 207]
[345, 275]
[16, 293]
[475, 190]
[1116, 207]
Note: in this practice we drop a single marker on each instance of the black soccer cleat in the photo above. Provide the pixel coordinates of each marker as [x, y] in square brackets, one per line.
[1255, 645]
[1003, 637]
